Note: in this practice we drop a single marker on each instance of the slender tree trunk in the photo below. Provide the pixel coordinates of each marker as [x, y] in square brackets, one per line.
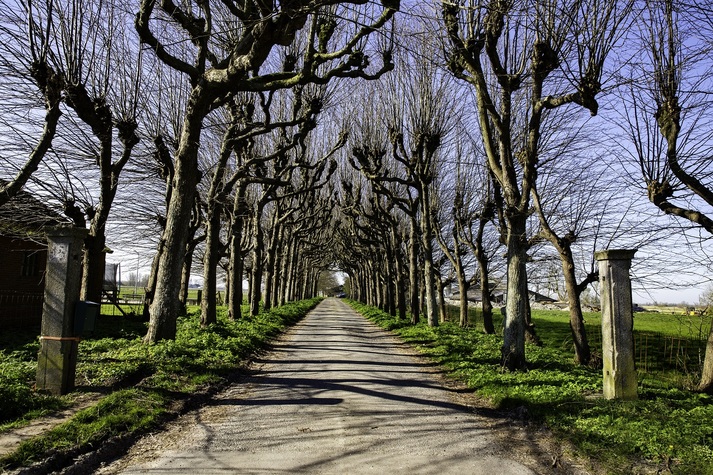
[576, 320]
[304, 293]
[483, 266]
[285, 271]
[257, 269]
[390, 280]
[400, 281]
[442, 310]
[210, 266]
[463, 302]
[290, 271]
[273, 249]
[186, 274]
[277, 275]
[236, 265]
[151, 283]
[413, 273]
[296, 273]
[429, 272]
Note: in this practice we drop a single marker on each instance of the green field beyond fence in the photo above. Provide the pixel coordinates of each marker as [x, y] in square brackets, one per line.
[668, 347]
[130, 301]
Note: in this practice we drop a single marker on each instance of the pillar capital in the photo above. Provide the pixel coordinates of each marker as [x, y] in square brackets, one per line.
[615, 254]
[66, 231]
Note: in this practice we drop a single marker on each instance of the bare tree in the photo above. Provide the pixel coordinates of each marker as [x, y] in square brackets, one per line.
[29, 79]
[420, 108]
[534, 58]
[99, 88]
[668, 118]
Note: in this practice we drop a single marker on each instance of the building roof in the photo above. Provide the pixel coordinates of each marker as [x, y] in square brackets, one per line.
[24, 216]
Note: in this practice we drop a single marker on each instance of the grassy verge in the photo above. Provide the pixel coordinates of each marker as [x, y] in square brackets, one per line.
[165, 374]
[668, 429]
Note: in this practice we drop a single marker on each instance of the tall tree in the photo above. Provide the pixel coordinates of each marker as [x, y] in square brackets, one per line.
[419, 114]
[533, 58]
[668, 118]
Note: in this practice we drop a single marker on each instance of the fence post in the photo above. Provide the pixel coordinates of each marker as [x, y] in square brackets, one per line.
[57, 359]
[617, 323]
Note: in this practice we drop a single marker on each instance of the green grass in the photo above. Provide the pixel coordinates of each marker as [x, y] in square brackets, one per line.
[18, 367]
[668, 428]
[115, 357]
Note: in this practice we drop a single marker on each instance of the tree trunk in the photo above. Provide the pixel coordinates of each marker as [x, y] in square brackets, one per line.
[210, 266]
[442, 310]
[270, 257]
[151, 283]
[93, 266]
[186, 274]
[706, 384]
[290, 271]
[400, 283]
[165, 306]
[284, 281]
[576, 320]
[513, 350]
[413, 273]
[390, 279]
[257, 269]
[429, 272]
[278, 275]
[463, 302]
[236, 265]
[483, 265]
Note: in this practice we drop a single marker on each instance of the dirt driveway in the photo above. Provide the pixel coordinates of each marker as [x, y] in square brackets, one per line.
[338, 395]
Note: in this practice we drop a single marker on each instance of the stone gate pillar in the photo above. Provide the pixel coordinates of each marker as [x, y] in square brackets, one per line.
[57, 359]
[617, 323]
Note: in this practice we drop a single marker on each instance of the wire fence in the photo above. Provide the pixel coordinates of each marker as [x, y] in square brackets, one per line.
[656, 353]
[674, 358]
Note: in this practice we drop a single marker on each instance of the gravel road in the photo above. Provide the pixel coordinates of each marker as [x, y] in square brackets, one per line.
[337, 395]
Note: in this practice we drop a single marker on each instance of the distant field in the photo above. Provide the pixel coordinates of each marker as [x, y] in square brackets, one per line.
[669, 309]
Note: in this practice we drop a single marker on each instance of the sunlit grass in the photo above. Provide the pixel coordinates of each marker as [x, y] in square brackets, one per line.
[668, 428]
[114, 358]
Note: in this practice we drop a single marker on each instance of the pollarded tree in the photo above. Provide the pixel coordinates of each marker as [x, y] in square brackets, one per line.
[100, 90]
[524, 60]
[231, 45]
[292, 120]
[669, 117]
[453, 214]
[571, 201]
[420, 108]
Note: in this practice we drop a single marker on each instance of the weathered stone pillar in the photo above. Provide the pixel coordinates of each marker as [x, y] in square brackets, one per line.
[617, 323]
[57, 359]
